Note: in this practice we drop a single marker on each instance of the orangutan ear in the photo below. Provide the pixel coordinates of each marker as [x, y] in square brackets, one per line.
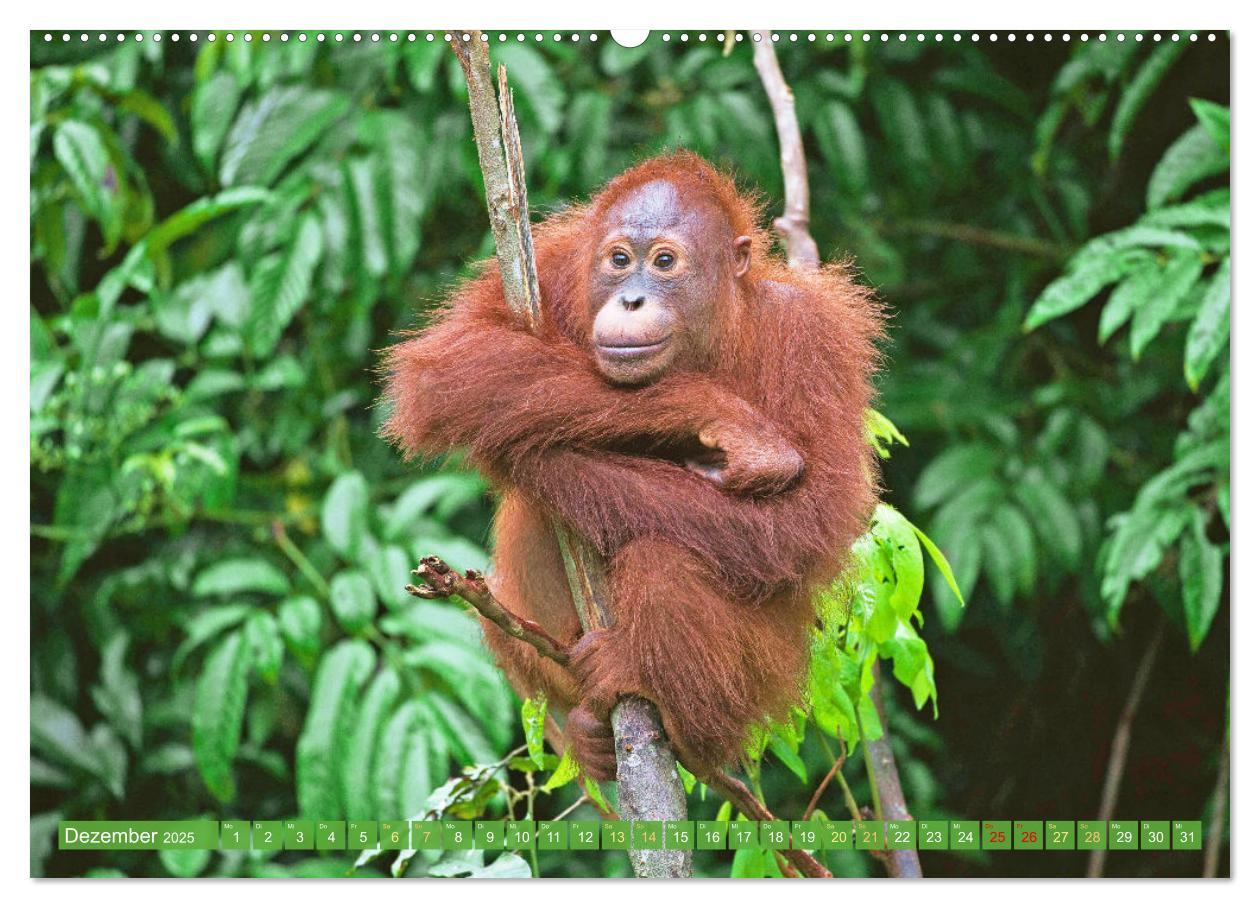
[743, 255]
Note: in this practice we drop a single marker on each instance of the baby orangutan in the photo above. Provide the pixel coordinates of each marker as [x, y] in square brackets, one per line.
[691, 406]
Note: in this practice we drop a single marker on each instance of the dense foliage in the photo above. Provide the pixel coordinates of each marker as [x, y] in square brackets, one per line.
[225, 233]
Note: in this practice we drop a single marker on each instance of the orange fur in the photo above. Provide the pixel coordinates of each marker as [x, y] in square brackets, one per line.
[711, 591]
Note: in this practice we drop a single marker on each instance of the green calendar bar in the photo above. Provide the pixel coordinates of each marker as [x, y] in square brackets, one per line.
[623, 835]
[137, 835]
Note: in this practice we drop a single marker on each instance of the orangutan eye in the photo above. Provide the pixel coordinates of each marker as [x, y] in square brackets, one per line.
[664, 261]
[620, 260]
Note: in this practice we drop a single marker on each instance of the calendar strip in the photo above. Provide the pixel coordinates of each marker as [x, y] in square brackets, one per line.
[624, 835]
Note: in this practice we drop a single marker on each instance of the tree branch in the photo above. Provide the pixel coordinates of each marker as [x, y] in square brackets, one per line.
[1220, 800]
[803, 254]
[890, 801]
[793, 225]
[438, 581]
[648, 783]
[1120, 743]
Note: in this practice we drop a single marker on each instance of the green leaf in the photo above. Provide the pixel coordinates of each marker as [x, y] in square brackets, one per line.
[262, 633]
[1179, 275]
[1202, 571]
[789, 757]
[300, 621]
[1139, 89]
[118, 694]
[206, 625]
[1192, 158]
[219, 713]
[326, 731]
[953, 470]
[191, 217]
[1209, 332]
[214, 104]
[240, 575]
[896, 536]
[82, 154]
[1017, 537]
[344, 517]
[1132, 293]
[1214, 118]
[270, 132]
[391, 753]
[353, 601]
[1081, 284]
[942, 564]
[358, 770]
[1052, 516]
[1211, 209]
[533, 720]
[280, 285]
[185, 864]
[842, 144]
[565, 773]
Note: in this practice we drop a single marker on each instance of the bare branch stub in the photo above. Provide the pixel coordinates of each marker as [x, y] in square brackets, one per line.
[439, 581]
[793, 225]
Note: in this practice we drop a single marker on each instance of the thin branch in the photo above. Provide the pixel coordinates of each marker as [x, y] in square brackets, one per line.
[1220, 799]
[793, 224]
[826, 780]
[1120, 743]
[438, 581]
[649, 786]
[890, 800]
[750, 806]
[978, 236]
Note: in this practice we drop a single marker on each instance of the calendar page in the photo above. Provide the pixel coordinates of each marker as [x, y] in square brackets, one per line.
[525, 452]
